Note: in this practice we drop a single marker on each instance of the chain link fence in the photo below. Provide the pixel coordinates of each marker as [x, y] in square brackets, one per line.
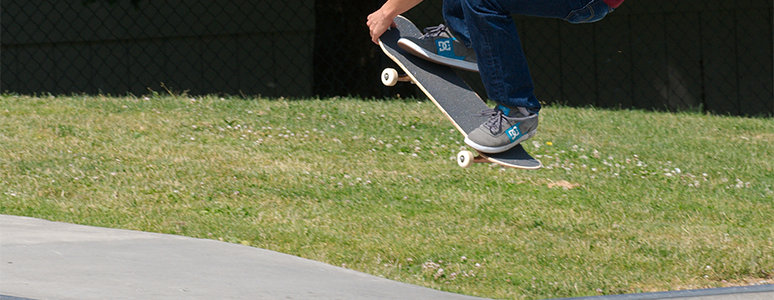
[713, 55]
[120, 46]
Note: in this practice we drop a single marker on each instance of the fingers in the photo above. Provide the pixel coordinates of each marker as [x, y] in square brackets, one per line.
[374, 30]
[376, 34]
[377, 24]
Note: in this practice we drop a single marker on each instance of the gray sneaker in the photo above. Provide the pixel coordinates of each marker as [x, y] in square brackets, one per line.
[438, 45]
[505, 129]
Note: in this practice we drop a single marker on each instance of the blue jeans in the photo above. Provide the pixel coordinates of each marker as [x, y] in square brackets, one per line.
[487, 27]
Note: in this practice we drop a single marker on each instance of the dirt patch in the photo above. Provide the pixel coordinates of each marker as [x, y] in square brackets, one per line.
[562, 184]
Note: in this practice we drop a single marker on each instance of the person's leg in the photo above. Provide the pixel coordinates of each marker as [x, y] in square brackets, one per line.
[501, 60]
[503, 65]
[493, 35]
[455, 20]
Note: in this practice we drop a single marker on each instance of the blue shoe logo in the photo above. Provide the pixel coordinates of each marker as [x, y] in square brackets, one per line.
[513, 133]
[445, 48]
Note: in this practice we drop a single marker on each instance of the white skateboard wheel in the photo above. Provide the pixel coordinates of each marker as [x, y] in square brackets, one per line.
[465, 158]
[389, 77]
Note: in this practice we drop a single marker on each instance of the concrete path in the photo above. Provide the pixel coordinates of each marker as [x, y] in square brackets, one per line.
[50, 260]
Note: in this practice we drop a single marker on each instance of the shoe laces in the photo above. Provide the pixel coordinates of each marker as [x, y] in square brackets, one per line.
[435, 31]
[495, 122]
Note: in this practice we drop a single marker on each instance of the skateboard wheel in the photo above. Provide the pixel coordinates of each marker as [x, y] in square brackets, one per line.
[389, 77]
[465, 158]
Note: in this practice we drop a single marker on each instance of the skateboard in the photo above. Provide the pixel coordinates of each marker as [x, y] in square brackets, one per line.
[452, 95]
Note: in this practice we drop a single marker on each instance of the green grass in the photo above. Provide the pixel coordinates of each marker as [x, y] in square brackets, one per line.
[628, 201]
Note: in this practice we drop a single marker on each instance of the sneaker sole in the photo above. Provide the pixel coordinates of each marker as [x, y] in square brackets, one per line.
[416, 50]
[487, 149]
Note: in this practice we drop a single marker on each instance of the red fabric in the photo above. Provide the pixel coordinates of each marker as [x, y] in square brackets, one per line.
[613, 3]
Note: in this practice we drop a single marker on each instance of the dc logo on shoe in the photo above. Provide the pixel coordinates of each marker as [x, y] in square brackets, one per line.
[445, 48]
[513, 133]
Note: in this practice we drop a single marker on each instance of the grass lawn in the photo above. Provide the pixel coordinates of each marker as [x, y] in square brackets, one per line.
[628, 201]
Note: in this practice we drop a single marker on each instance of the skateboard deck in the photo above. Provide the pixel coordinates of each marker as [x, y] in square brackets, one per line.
[452, 95]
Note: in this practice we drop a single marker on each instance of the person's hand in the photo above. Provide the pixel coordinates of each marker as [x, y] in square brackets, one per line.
[378, 22]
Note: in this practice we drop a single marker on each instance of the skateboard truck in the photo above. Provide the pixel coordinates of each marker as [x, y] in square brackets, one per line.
[390, 77]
